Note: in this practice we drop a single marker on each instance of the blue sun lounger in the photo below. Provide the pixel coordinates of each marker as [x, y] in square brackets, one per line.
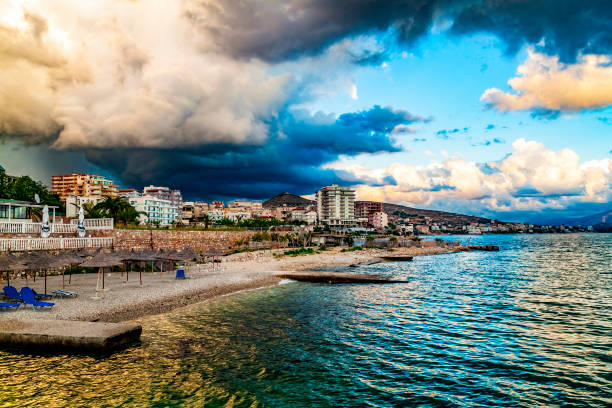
[11, 293]
[39, 296]
[4, 305]
[28, 298]
[180, 274]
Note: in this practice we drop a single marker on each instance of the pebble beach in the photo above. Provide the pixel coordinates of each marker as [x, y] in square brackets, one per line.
[124, 299]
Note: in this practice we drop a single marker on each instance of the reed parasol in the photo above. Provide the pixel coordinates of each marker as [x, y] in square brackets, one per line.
[8, 264]
[100, 261]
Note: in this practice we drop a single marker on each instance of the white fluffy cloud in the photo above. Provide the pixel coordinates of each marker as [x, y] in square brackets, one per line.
[126, 74]
[531, 178]
[545, 83]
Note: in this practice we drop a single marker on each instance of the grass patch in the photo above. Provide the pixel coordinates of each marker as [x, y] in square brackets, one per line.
[298, 252]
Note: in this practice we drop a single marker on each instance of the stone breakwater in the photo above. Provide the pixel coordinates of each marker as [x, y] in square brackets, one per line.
[177, 239]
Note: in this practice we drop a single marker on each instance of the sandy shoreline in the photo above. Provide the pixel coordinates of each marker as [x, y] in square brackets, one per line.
[126, 300]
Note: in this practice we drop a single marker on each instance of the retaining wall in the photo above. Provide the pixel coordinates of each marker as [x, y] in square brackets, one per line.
[177, 239]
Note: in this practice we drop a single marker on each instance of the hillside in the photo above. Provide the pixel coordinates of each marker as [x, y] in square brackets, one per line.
[594, 219]
[288, 199]
[397, 212]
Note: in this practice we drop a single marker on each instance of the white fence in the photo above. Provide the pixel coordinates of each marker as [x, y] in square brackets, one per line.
[56, 228]
[46, 244]
[96, 223]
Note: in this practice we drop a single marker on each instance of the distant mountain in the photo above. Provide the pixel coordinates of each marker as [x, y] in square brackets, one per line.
[599, 218]
[288, 199]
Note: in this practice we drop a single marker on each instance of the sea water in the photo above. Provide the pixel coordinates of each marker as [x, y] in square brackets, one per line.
[530, 325]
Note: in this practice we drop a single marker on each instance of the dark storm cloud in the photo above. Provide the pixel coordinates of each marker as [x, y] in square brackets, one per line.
[291, 162]
[273, 32]
[566, 26]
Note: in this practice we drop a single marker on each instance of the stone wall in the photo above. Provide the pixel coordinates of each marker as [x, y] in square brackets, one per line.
[176, 239]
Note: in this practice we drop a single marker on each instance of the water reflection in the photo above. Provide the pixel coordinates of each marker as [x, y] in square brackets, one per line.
[527, 326]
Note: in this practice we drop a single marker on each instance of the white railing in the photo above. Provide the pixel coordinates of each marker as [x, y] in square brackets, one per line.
[96, 223]
[92, 224]
[34, 228]
[46, 244]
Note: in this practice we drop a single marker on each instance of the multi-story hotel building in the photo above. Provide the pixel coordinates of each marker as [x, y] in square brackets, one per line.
[336, 206]
[165, 193]
[156, 210]
[364, 208]
[82, 185]
[378, 220]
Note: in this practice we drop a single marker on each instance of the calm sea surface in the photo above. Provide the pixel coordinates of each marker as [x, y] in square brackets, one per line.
[528, 326]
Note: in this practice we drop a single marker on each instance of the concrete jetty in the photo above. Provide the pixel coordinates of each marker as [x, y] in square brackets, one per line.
[336, 277]
[59, 335]
[397, 258]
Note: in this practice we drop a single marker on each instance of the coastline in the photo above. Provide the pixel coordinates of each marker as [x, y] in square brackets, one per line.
[126, 300]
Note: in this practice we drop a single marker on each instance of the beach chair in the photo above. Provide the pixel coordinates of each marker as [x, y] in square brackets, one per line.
[180, 274]
[39, 296]
[27, 294]
[4, 305]
[63, 293]
[11, 293]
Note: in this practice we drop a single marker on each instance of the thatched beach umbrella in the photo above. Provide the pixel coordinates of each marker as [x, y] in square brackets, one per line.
[10, 263]
[38, 261]
[100, 261]
[171, 256]
[64, 260]
[189, 254]
[138, 256]
[214, 253]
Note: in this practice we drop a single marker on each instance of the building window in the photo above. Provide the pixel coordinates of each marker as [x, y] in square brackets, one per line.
[19, 212]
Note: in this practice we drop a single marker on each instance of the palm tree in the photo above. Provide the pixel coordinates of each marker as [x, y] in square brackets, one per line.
[90, 210]
[112, 206]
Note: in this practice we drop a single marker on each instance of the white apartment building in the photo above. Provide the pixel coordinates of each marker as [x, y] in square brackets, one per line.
[310, 217]
[236, 214]
[164, 193]
[73, 203]
[336, 206]
[156, 210]
[216, 214]
[379, 220]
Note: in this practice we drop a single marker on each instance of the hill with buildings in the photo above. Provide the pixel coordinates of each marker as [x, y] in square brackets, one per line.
[398, 212]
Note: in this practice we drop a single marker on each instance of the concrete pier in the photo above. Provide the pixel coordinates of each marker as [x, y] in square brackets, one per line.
[397, 258]
[336, 277]
[58, 335]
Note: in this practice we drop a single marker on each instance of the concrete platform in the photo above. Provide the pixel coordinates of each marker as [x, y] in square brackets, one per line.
[397, 258]
[57, 335]
[336, 277]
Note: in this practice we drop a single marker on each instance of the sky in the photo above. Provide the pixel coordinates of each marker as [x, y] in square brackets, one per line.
[495, 108]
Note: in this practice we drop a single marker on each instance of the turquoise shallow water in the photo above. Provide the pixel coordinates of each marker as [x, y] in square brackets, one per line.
[528, 326]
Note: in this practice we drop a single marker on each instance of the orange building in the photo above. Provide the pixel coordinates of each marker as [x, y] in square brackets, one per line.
[82, 185]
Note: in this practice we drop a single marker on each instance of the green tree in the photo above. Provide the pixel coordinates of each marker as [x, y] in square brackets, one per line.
[205, 219]
[25, 189]
[128, 215]
[226, 222]
[112, 206]
[91, 211]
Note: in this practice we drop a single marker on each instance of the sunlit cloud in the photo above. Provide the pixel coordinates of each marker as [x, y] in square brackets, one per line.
[532, 177]
[546, 85]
